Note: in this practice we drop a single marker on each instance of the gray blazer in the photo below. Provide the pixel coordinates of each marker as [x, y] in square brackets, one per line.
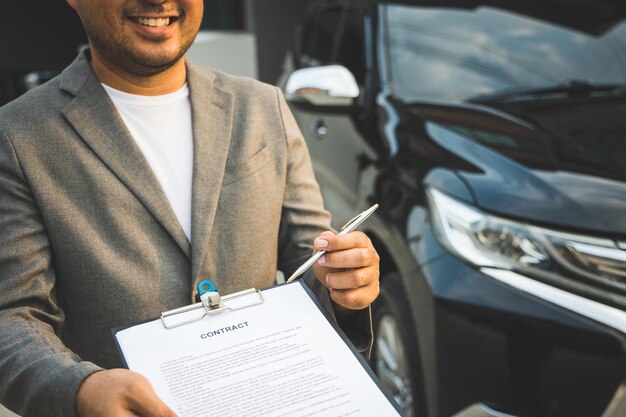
[88, 240]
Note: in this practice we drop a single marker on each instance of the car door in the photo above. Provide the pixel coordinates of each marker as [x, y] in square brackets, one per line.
[333, 34]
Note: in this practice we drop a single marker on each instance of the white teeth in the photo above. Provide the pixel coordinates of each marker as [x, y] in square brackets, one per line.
[154, 22]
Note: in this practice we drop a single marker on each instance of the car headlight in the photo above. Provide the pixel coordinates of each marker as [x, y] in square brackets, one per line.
[591, 266]
[485, 240]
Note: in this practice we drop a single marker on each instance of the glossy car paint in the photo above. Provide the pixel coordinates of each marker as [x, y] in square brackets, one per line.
[479, 339]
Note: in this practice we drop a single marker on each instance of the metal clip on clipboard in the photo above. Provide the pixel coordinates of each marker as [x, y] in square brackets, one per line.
[210, 303]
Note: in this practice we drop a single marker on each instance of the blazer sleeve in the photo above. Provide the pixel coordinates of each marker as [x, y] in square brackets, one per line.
[303, 219]
[39, 376]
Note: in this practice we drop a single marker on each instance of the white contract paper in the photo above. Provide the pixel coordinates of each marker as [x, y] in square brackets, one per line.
[281, 358]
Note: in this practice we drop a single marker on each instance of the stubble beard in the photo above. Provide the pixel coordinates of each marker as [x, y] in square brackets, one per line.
[119, 53]
[122, 56]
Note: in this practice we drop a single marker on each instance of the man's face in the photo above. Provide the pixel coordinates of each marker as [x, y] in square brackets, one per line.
[140, 37]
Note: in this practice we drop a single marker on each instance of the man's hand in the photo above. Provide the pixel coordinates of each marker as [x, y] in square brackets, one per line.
[350, 268]
[119, 393]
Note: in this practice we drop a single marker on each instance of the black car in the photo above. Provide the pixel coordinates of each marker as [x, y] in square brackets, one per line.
[493, 136]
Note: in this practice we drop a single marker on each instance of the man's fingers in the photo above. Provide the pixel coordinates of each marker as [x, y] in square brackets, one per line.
[331, 242]
[119, 393]
[352, 279]
[156, 409]
[349, 268]
[144, 401]
[354, 299]
[352, 258]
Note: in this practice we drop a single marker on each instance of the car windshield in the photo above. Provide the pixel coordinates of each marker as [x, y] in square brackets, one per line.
[438, 53]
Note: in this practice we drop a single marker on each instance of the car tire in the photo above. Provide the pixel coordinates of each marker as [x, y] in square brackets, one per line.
[395, 356]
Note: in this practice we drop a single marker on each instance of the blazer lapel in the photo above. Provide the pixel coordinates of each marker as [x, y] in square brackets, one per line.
[212, 110]
[96, 120]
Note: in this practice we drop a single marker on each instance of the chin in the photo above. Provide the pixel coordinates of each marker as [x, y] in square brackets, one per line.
[154, 63]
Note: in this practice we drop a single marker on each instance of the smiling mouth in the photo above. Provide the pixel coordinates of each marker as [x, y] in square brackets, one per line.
[154, 22]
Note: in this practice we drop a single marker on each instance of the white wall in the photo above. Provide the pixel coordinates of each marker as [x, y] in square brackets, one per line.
[231, 52]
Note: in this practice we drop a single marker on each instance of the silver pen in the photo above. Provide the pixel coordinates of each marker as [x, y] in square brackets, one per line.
[347, 228]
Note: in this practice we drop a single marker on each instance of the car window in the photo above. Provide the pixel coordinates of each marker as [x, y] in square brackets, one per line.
[318, 37]
[350, 48]
[452, 54]
[334, 36]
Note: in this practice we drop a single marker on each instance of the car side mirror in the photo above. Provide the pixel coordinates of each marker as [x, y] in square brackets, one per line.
[330, 86]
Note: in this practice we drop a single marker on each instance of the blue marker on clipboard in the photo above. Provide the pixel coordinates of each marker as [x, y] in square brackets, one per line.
[204, 287]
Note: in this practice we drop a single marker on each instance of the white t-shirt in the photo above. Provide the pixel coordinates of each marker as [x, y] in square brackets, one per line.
[162, 128]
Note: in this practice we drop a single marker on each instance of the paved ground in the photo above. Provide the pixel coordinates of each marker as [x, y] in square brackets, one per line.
[6, 413]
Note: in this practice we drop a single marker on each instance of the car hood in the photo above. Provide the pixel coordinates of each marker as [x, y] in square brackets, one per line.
[524, 169]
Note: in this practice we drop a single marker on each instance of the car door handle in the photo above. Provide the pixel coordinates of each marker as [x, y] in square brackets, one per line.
[319, 129]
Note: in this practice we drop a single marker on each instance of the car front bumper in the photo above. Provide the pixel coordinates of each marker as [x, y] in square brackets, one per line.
[522, 347]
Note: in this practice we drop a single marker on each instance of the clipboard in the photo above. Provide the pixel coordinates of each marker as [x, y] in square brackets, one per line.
[321, 371]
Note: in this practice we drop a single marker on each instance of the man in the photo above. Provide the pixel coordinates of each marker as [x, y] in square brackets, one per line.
[128, 179]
